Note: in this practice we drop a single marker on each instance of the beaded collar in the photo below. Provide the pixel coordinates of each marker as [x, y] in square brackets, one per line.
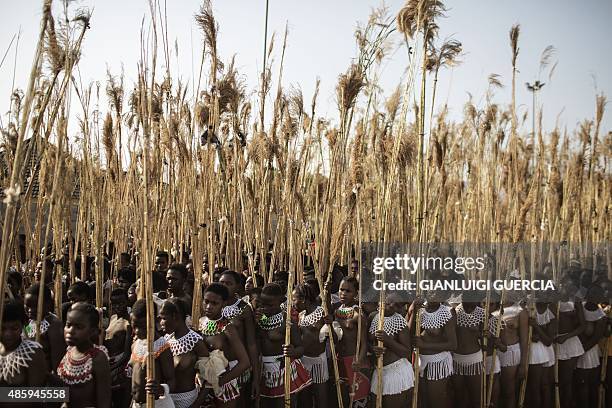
[437, 319]
[11, 364]
[140, 352]
[77, 367]
[210, 327]
[566, 307]
[272, 322]
[30, 329]
[231, 311]
[308, 320]
[345, 312]
[392, 324]
[593, 315]
[465, 319]
[493, 324]
[542, 319]
[183, 344]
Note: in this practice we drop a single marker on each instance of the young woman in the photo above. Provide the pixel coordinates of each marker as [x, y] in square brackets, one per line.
[587, 366]
[51, 328]
[468, 359]
[163, 383]
[310, 322]
[514, 334]
[436, 342]
[118, 342]
[221, 334]
[347, 316]
[22, 361]
[271, 335]
[397, 372]
[241, 316]
[569, 347]
[187, 347]
[85, 367]
[541, 357]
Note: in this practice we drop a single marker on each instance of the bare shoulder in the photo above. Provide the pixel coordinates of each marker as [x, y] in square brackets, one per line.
[247, 311]
[231, 331]
[200, 349]
[39, 361]
[100, 361]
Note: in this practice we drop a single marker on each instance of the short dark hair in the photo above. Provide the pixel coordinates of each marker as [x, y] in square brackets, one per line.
[128, 273]
[89, 310]
[309, 292]
[15, 275]
[119, 292]
[235, 275]
[259, 280]
[139, 309]
[14, 312]
[218, 289]
[35, 288]
[175, 305]
[162, 254]
[80, 288]
[352, 281]
[280, 276]
[180, 268]
[256, 291]
[272, 289]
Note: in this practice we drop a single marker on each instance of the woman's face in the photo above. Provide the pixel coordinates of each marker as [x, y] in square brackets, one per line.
[10, 334]
[167, 320]
[347, 292]
[249, 285]
[299, 302]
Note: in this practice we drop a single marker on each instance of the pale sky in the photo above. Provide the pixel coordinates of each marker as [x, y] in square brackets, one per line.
[321, 44]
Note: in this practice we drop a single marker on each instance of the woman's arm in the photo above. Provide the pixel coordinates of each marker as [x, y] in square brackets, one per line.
[57, 346]
[101, 374]
[363, 347]
[166, 363]
[200, 351]
[523, 340]
[37, 369]
[598, 333]
[239, 351]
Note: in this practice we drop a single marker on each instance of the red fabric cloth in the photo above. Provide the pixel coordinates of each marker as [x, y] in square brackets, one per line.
[352, 378]
[300, 379]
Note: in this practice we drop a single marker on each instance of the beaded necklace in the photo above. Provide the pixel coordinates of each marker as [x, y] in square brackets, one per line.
[465, 319]
[77, 367]
[30, 329]
[183, 344]
[493, 324]
[272, 322]
[11, 364]
[593, 315]
[542, 319]
[210, 327]
[437, 319]
[345, 312]
[231, 311]
[307, 320]
[140, 352]
[391, 325]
